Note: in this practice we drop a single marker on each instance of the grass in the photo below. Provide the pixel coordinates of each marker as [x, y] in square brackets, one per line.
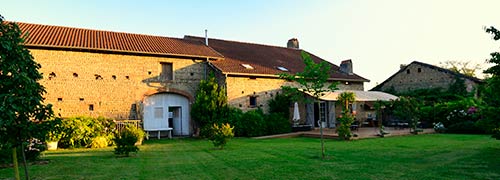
[435, 156]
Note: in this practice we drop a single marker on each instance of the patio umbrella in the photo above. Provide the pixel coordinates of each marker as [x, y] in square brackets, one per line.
[296, 115]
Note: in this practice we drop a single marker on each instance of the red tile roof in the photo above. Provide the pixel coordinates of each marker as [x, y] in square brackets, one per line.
[264, 59]
[43, 36]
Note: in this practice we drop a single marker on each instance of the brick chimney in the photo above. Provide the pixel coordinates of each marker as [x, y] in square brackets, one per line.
[346, 67]
[293, 43]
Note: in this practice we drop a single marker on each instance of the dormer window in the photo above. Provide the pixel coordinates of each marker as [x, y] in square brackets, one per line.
[281, 68]
[247, 66]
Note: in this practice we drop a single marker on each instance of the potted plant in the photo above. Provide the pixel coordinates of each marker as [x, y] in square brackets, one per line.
[52, 140]
[54, 133]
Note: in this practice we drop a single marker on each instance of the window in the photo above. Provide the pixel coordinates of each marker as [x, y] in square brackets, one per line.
[407, 71]
[253, 101]
[158, 111]
[419, 70]
[322, 111]
[91, 107]
[281, 68]
[52, 75]
[167, 72]
[247, 66]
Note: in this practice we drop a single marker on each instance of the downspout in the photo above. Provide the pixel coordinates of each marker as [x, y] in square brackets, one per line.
[205, 69]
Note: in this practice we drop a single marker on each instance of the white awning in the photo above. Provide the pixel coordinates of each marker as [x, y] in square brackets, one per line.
[360, 95]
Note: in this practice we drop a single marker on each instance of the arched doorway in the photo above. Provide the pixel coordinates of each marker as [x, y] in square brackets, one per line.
[167, 110]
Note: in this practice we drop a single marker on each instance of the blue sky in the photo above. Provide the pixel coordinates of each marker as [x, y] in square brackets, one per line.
[378, 35]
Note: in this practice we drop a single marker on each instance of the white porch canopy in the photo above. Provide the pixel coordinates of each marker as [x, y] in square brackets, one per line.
[360, 95]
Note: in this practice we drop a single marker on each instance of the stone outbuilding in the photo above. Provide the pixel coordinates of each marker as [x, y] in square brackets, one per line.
[418, 75]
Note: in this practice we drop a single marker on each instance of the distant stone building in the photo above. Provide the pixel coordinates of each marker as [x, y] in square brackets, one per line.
[418, 75]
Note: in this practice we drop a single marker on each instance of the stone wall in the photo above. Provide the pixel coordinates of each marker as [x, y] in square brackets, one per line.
[112, 83]
[416, 76]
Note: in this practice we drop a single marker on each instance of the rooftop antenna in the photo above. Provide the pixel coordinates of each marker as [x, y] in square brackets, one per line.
[206, 37]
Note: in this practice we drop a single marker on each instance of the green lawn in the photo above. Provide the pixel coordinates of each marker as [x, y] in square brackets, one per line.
[435, 156]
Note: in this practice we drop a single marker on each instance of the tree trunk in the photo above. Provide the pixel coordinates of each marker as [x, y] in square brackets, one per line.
[24, 163]
[321, 135]
[16, 165]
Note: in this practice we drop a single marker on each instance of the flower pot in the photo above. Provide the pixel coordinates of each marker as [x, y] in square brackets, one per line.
[52, 145]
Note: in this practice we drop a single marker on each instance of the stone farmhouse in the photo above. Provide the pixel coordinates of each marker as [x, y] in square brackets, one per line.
[154, 79]
[418, 75]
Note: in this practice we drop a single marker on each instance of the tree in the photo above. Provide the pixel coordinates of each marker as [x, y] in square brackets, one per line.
[463, 67]
[210, 105]
[21, 102]
[490, 94]
[314, 80]
[344, 99]
[407, 109]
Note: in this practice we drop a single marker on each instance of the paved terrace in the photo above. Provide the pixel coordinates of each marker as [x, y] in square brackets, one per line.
[363, 133]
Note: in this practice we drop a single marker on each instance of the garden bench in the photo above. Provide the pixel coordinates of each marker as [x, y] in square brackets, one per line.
[169, 131]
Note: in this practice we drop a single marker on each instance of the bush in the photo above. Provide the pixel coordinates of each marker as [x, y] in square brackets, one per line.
[81, 131]
[33, 148]
[277, 123]
[251, 124]
[54, 129]
[489, 119]
[466, 127]
[344, 129]
[221, 135]
[126, 141]
[137, 132]
[99, 142]
[496, 133]
[280, 104]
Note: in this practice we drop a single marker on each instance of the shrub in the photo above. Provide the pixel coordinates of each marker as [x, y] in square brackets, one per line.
[33, 148]
[125, 141]
[99, 142]
[210, 104]
[466, 127]
[251, 124]
[277, 123]
[496, 133]
[137, 132]
[489, 119]
[54, 130]
[280, 104]
[344, 129]
[81, 131]
[221, 135]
